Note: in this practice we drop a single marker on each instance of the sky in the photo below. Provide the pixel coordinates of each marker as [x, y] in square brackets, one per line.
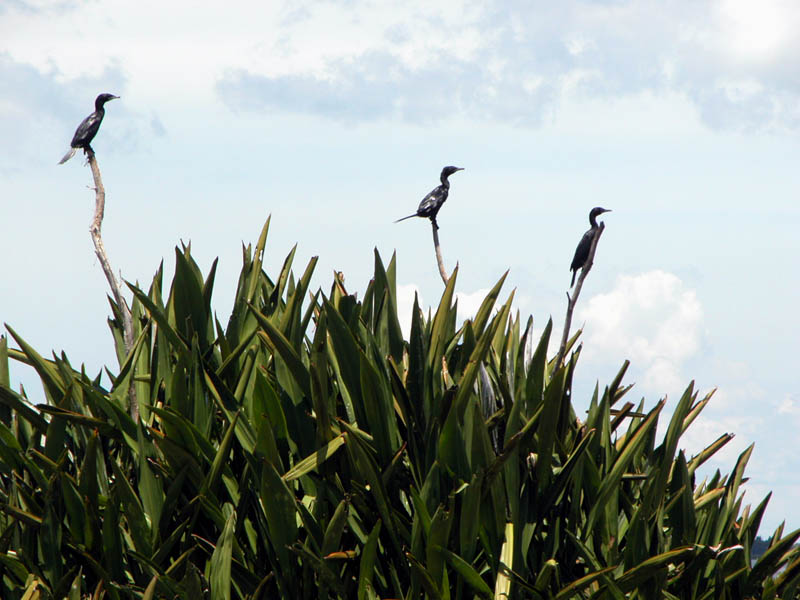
[336, 119]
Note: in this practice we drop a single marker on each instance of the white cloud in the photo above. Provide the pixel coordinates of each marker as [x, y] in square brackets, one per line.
[706, 430]
[789, 408]
[468, 304]
[651, 319]
[755, 31]
[498, 61]
[609, 50]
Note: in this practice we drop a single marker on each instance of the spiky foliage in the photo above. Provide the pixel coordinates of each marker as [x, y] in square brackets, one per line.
[308, 450]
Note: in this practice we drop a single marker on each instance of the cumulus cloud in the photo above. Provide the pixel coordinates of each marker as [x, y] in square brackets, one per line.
[468, 304]
[704, 431]
[500, 61]
[39, 110]
[789, 407]
[506, 62]
[652, 319]
[379, 85]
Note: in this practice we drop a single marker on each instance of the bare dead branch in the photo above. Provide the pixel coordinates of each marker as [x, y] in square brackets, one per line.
[102, 256]
[574, 299]
[439, 261]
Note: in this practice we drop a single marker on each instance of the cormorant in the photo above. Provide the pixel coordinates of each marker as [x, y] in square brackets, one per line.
[86, 131]
[430, 205]
[582, 251]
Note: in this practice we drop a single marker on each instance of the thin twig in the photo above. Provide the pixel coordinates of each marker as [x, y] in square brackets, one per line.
[572, 301]
[439, 261]
[116, 290]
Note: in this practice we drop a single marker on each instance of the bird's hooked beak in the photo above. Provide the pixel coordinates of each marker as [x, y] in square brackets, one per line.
[114, 98]
[459, 168]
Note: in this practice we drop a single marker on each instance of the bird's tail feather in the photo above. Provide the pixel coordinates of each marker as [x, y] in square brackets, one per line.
[404, 218]
[575, 272]
[67, 156]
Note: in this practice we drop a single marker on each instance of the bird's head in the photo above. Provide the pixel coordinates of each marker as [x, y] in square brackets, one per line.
[447, 171]
[597, 211]
[103, 98]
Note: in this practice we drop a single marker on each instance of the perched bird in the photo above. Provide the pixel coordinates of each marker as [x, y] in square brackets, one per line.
[430, 205]
[582, 251]
[86, 131]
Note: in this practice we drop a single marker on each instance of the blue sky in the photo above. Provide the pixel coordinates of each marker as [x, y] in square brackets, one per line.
[336, 118]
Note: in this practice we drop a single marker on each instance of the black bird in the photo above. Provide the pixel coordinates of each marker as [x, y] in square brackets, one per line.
[430, 205]
[86, 131]
[582, 251]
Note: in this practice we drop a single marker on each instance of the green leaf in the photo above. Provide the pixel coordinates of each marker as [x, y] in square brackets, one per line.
[333, 533]
[632, 444]
[345, 357]
[48, 373]
[221, 457]
[5, 380]
[258, 257]
[283, 278]
[708, 452]
[187, 301]
[425, 578]
[281, 515]
[112, 540]
[545, 575]
[648, 568]
[326, 574]
[470, 516]
[485, 310]
[451, 443]
[23, 408]
[314, 461]
[290, 321]
[75, 587]
[379, 410]
[666, 453]
[81, 419]
[441, 323]
[225, 400]
[21, 515]
[547, 430]
[387, 326]
[160, 317]
[134, 513]
[438, 537]
[502, 584]
[367, 565]
[576, 586]
[279, 344]
[366, 469]
[219, 567]
[770, 562]
[150, 590]
[470, 575]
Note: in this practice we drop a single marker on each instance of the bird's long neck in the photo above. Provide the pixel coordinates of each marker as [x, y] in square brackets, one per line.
[593, 221]
[98, 106]
[444, 181]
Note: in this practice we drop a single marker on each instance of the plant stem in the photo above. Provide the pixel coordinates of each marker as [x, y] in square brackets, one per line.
[116, 290]
[439, 261]
[562, 350]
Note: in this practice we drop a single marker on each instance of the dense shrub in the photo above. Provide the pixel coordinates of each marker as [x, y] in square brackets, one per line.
[308, 450]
